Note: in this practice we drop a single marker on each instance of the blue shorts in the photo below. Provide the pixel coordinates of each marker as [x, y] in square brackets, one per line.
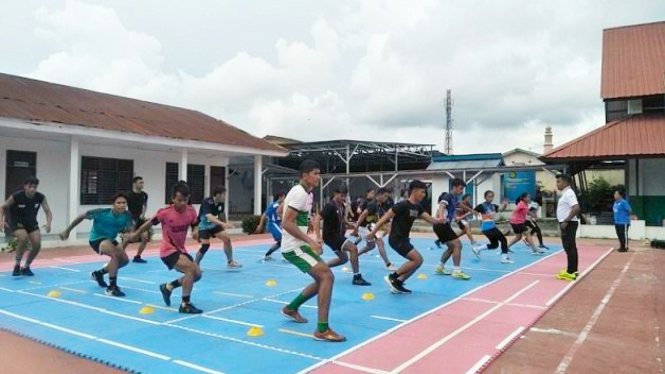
[275, 230]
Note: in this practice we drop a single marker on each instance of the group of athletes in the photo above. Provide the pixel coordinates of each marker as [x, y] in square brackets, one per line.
[291, 221]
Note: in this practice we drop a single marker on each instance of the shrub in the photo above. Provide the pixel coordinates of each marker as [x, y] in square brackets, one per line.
[250, 224]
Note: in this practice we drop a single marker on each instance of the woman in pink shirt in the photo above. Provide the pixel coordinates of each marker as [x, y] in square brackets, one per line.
[518, 223]
[175, 220]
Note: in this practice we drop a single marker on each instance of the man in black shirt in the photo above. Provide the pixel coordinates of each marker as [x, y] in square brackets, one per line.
[23, 207]
[212, 225]
[403, 215]
[334, 227]
[137, 203]
[370, 215]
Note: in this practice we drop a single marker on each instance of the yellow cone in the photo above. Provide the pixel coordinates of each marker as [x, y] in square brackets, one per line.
[147, 310]
[54, 293]
[271, 283]
[368, 296]
[345, 269]
[422, 276]
[255, 331]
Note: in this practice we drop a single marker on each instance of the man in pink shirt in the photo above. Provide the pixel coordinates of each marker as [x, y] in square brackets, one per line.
[175, 220]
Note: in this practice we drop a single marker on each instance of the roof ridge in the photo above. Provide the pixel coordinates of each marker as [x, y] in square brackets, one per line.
[632, 26]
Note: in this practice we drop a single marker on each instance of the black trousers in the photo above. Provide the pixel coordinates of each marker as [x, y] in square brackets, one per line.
[535, 229]
[496, 237]
[622, 234]
[569, 245]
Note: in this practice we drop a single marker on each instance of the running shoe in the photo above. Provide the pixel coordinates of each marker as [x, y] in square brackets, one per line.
[359, 281]
[234, 265]
[329, 336]
[507, 260]
[99, 278]
[115, 291]
[391, 267]
[399, 285]
[189, 308]
[17, 271]
[389, 280]
[441, 270]
[476, 251]
[544, 247]
[567, 276]
[27, 272]
[537, 252]
[293, 315]
[166, 294]
[460, 275]
[139, 260]
[268, 259]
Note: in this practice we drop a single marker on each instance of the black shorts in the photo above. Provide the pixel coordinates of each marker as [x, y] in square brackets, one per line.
[97, 243]
[518, 228]
[29, 228]
[462, 225]
[336, 242]
[401, 246]
[173, 258]
[210, 233]
[138, 222]
[444, 232]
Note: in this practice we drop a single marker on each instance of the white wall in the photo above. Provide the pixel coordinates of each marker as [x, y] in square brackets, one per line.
[492, 183]
[52, 171]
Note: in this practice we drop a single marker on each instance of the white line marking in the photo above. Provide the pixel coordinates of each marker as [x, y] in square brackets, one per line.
[19, 316]
[6, 289]
[134, 349]
[360, 368]
[287, 303]
[233, 321]
[389, 318]
[510, 304]
[68, 269]
[142, 290]
[474, 369]
[553, 332]
[453, 334]
[117, 298]
[568, 358]
[233, 294]
[136, 280]
[510, 337]
[434, 310]
[582, 275]
[162, 307]
[33, 282]
[72, 290]
[64, 260]
[196, 367]
[63, 329]
[296, 333]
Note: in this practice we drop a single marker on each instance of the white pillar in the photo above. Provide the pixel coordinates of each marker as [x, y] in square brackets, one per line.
[182, 173]
[74, 182]
[258, 183]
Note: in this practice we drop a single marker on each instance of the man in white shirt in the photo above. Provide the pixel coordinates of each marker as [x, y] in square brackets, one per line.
[566, 213]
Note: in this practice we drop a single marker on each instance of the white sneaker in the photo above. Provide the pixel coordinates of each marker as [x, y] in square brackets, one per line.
[476, 252]
[507, 260]
[537, 253]
[233, 265]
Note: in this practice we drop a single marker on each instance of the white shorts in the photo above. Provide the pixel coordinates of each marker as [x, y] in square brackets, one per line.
[363, 231]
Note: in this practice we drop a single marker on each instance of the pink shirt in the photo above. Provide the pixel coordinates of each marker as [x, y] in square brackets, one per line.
[174, 228]
[519, 215]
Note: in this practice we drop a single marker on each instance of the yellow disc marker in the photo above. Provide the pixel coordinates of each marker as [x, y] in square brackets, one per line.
[147, 310]
[368, 296]
[271, 283]
[422, 276]
[54, 293]
[255, 331]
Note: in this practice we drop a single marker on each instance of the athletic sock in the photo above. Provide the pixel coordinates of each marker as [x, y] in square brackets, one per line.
[297, 302]
[323, 326]
[103, 270]
[457, 268]
[185, 299]
[173, 285]
[18, 260]
[113, 281]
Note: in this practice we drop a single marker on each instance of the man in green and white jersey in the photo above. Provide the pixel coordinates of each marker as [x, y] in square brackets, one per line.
[304, 252]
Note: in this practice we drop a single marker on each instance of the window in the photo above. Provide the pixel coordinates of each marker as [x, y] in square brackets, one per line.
[20, 166]
[195, 180]
[101, 178]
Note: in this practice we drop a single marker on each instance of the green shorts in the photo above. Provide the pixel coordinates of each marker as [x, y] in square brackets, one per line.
[304, 258]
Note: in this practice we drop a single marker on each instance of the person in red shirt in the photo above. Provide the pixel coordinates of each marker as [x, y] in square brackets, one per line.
[175, 220]
[518, 223]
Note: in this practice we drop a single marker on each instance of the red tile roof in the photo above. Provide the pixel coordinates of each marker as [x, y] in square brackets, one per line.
[33, 100]
[633, 61]
[636, 137]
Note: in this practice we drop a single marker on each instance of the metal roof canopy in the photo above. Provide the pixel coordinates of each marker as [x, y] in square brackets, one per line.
[362, 152]
[386, 178]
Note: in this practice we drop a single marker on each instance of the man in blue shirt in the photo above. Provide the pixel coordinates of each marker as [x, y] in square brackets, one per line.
[622, 212]
[273, 219]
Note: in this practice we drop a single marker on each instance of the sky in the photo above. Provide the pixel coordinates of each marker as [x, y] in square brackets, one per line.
[347, 69]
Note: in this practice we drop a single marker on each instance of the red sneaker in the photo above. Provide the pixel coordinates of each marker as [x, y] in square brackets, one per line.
[293, 315]
[329, 336]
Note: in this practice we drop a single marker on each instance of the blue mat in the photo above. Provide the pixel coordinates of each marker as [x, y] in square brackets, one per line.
[85, 322]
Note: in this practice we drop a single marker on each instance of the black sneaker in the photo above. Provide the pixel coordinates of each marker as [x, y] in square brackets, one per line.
[359, 281]
[115, 291]
[27, 272]
[189, 308]
[99, 278]
[17, 271]
[438, 243]
[139, 260]
[399, 286]
[166, 294]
